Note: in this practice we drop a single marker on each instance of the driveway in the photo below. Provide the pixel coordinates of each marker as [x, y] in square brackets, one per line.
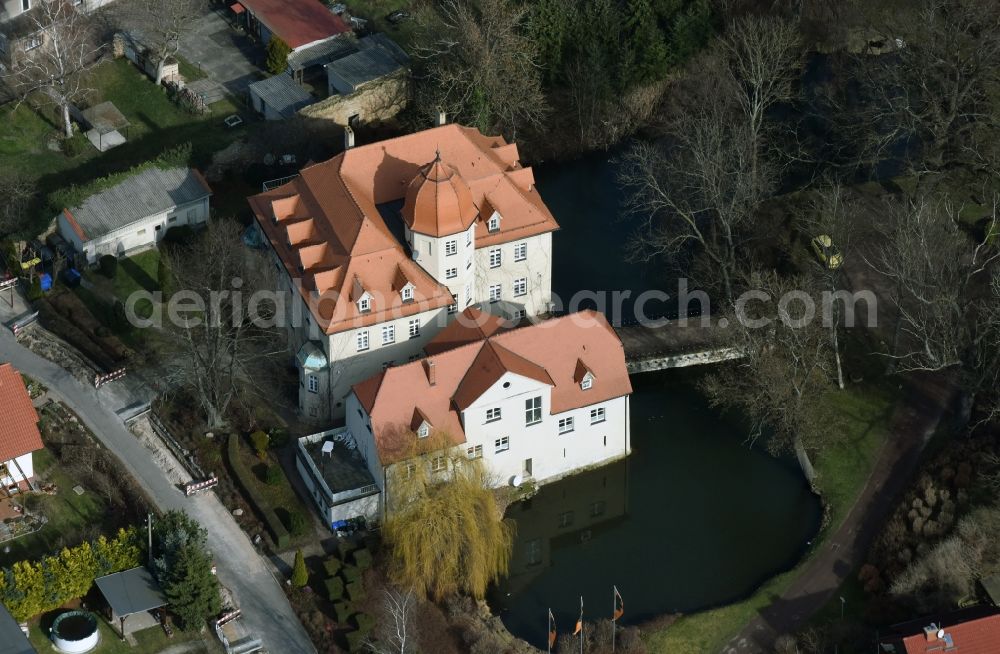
[226, 56]
[241, 569]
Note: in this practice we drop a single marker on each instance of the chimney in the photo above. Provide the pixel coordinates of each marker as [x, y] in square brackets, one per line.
[431, 373]
[348, 138]
[931, 632]
[441, 118]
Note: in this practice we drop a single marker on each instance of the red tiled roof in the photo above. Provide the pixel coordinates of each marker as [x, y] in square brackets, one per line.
[325, 226]
[471, 325]
[18, 419]
[547, 351]
[979, 636]
[438, 201]
[297, 22]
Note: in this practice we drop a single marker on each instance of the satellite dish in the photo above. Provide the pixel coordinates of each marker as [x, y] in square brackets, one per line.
[516, 481]
[940, 634]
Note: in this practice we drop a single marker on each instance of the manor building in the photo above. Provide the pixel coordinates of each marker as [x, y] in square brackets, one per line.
[535, 403]
[381, 245]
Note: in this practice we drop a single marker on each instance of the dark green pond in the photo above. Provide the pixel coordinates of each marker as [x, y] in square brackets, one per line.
[694, 518]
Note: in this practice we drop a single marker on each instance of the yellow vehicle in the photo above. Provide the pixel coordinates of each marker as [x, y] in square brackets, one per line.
[827, 252]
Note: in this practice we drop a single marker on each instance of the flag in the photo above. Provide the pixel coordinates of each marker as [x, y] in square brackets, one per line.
[579, 623]
[552, 630]
[619, 605]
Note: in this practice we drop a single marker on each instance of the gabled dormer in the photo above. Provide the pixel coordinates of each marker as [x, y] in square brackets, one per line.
[493, 222]
[361, 297]
[403, 285]
[420, 424]
[583, 375]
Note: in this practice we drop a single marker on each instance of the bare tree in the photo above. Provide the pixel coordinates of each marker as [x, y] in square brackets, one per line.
[224, 339]
[934, 96]
[17, 191]
[946, 291]
[763, 57]
[477, 62]
[162, 24]
[57, 66]
[785, 371]
[698, 191]
[396, 630]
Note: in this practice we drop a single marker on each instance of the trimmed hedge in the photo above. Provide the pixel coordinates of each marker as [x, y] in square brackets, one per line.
[363, 559]
[357, 641]
[344, 611]
[245, 479]
[364, 622]
[350, 573]
[334, 588]
[355, 591]
[332, 566]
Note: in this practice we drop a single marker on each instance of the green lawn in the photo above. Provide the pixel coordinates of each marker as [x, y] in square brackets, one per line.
[863, 415]
[72, 518]
[148, 641]
[156, 124]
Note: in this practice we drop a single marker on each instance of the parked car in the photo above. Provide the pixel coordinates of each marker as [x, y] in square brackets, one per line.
[827, 253]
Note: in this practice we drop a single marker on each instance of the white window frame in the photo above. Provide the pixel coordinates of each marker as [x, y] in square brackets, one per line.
[501, 444]
[410, 468]
[450, 248]
[493, 414]
[533, 411]
[450, 273]
[423, 431]
[566, 519]
[23, 3]
[586, 383]
[520, 286]
[312, 382]
[388, 334]
[414, 328]
[407, 293]
[598, 415]
[496, 290]
[364, 304]
[519, 314]
[439, 464]
[496, 258]
[494, 223]
[362, 340]
[468, 236]
[474, 452]
[521, 251]
[566, 425]
[452, 308]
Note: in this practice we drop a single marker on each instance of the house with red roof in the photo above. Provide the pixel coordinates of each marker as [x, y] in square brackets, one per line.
[299, 23]
[536, 402]
[968, 631]
[385, 243]
[19, 435]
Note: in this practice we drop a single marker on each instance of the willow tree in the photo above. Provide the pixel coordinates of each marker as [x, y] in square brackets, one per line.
[445, 530]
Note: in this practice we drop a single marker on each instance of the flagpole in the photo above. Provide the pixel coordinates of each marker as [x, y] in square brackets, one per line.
[614, 620]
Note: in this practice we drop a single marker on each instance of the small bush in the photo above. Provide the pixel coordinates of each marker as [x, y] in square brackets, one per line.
[274, 476]
[108, 265]
[350, 573]
[277, 56]
[345, 547]
[260, 441]
[334, 588]
[364, 622]
[363, 559]
[357, 641]
[300, 576]
[344, 611]
[279, 438]
[355, 591]
[332, 566]
[75, 145]
[297, 523]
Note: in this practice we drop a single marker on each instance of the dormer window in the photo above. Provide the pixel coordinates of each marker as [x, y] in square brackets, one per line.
[365, 304]
[494, 223]
[423, 430]
[407, 293]
[587, 382]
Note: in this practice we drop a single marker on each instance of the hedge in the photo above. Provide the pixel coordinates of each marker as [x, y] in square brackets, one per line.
[355, 591]
[334, 588]
[364, 622]
[357, 641]
[245, 479]
[363, 559]
[332, 566]
[350, 573]
[344, 611]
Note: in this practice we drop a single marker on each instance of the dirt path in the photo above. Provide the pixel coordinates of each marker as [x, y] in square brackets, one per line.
[914, 420]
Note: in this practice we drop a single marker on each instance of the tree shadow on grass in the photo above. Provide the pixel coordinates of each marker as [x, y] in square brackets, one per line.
[140, 276]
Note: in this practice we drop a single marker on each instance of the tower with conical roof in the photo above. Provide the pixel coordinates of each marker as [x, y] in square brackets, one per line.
[440, 218]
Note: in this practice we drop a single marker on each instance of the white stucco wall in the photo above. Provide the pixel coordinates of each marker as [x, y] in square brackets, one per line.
[536, 269]
[13, 475]
[138, 235]
[432, 255]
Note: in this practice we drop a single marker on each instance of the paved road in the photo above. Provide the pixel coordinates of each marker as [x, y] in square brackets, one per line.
[266, 609]
[226, 56]
[914, 420]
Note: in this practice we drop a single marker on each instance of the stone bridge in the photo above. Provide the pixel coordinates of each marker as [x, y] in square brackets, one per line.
[675, 344]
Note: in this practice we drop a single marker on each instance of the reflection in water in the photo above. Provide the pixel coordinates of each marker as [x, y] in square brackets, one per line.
[694, 518]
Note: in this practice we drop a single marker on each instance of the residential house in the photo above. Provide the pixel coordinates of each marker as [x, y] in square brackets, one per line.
[135, 213]
[12, 639]
[19, 435]
[20, 25]
[382, 243]
[533, 403]
[969, 631]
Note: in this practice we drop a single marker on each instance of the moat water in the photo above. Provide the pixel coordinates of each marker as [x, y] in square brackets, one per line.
[695, 518]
